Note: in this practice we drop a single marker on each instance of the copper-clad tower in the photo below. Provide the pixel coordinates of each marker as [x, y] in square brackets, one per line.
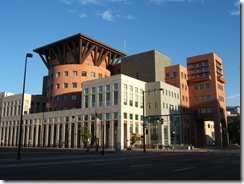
[70, 62]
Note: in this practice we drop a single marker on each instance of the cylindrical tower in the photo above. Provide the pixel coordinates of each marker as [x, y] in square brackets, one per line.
[72, 61]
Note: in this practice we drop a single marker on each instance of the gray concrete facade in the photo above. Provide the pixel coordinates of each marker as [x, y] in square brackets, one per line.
[147, 66]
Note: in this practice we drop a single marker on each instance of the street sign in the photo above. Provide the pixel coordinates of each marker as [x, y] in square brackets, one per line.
[154, 119]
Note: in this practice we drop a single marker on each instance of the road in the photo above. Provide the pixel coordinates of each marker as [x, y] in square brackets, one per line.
[205, 166]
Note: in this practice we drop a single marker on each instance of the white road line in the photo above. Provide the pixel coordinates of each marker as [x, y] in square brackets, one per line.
[144, 165]
[217, 162]
[187, 168]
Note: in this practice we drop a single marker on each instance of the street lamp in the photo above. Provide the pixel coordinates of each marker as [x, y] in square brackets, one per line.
[144, 120]
[103, 152]
[22, 106]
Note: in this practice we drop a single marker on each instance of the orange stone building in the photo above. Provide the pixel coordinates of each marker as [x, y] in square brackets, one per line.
[202, 99]
[72, 61]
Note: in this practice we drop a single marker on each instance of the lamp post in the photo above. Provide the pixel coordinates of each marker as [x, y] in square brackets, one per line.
[103, 138]
[22, 106]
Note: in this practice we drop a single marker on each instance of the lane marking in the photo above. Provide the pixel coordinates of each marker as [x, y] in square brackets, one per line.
[187, 168]
[144, 165]
[217, 162]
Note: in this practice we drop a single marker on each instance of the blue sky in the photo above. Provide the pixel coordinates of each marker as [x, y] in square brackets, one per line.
[176, 28]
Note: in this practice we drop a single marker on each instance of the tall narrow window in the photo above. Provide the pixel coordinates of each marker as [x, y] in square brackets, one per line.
[86, 101]
[93, 100]
[108, 99]
[116, 98]
[100, 99]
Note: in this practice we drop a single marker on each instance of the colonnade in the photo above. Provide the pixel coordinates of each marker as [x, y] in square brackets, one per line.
[55, 132]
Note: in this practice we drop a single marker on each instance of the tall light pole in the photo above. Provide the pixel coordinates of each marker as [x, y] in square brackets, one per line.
[144, 123]
[22, 106]
[103, 152]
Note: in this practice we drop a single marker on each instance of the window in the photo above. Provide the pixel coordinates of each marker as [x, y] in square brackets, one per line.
[116, 98]
[207, 86]
[136, 117]
[57, 86]
[83, 73]
[56, 98]
[167, 75]
[201, 86]
[131, 116]
[131, 99]
[115, 115]
[100, 89]
[58, 74]
[86, 91]
[208, 97]
[92, 74]
[136, 100]
[125, 115]
[100, 76]
[196, 87]
[107, 87]
[66, 73]
[125, 98]
[125, 87]
[100, 99]
[93, 90]
[65, 85]
[75, 73]
[116, 87]
[74, 85]
[64, 97]
[108, 99]
[73, 97]
[86, 101]
[107, 115]
[174, 74]
[93, 101]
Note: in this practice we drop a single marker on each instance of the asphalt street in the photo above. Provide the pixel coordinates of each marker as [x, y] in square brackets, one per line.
[128, 165]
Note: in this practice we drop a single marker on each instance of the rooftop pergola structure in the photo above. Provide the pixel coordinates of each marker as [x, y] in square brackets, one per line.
[80, 46]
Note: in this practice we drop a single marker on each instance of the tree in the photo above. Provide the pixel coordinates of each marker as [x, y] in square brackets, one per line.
[234, 131]
[85, 134]
[134, 138]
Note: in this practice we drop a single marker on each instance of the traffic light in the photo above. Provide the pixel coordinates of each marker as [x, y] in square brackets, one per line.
[162, 121]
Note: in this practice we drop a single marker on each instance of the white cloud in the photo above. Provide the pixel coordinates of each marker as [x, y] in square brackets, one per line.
[236, 11]
[233, 96]
[89, 2]
[68, 2]
[107, 15]
[163, 1]
[83, 15]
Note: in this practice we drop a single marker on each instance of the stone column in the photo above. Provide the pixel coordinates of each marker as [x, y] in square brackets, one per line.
[15, 133]
[111, 134]
[52, 134]
[46, 134]
[37, 132]
[69, 135]
[57, 134]
[11, 134]
[75, 134]
[63, 134]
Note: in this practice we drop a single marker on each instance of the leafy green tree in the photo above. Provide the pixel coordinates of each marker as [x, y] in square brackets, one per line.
[85, 134]
[234, 131]
[134, 138]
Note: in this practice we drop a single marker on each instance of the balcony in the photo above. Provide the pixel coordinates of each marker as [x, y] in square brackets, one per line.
[199, 79]
[221, 79]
